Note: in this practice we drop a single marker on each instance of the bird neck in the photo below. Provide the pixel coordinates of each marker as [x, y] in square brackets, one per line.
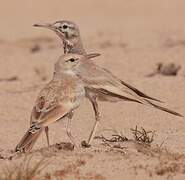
[64, 75]
[74, 46]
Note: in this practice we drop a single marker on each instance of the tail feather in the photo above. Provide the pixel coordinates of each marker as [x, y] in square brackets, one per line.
[139, 93]
[28, 141]
[164, 109]
[104, 91]
[141, 101]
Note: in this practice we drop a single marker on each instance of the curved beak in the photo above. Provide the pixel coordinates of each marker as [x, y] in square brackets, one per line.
[92, 55]
[51, 27]
[46, 25]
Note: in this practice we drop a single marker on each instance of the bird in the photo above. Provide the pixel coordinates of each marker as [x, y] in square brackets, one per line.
[69, 33]
[100, 84]
[57, 100]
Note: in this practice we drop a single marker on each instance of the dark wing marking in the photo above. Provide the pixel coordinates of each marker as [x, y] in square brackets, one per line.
[164, 109]
[138, 92]
[105, 92]
[141, 94]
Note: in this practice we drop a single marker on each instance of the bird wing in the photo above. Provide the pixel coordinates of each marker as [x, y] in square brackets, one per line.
[48, 109]
[51, 106]
[45, 118]
[102, 81]
[50, 115]
[97, 77]
[138, 92]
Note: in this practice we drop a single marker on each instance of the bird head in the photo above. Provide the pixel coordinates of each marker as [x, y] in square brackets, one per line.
[66, 30]
[69, 63]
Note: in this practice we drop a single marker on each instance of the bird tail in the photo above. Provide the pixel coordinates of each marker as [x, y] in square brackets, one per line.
[163, 109]
[139, 93]
[141, 101]
[28, 140]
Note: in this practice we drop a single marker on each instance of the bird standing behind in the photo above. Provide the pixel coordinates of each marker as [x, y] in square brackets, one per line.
[108, 87]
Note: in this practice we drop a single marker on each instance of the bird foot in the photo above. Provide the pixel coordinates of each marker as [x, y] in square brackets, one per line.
[84, 144]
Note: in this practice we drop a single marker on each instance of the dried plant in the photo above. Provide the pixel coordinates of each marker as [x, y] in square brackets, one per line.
[25, 170]
[116, 137]
[143, 136]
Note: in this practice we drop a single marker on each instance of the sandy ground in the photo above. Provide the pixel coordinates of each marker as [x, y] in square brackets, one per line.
[132, 36]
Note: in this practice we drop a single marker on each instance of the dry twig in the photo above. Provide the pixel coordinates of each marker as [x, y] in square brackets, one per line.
[143, 136]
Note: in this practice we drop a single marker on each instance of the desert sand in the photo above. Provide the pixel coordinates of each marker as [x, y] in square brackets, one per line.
[132, 36]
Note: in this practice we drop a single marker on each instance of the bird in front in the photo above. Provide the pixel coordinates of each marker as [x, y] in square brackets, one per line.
[58, 99]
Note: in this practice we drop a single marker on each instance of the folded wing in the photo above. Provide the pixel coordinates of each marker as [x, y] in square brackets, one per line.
[105, 83]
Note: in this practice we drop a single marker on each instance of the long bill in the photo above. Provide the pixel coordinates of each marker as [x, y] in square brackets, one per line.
[50, 27]
[92, 55]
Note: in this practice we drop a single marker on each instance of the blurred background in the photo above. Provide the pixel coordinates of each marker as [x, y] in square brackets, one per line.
[132, 36]
[128, 17]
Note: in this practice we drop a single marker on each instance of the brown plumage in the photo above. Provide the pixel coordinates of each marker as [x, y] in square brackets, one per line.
[99, 83]
[58, 99]
[104, 83]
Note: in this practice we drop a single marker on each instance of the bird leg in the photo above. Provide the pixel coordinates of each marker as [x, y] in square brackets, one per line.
[68, 128]
[97, 118]
[47, 134]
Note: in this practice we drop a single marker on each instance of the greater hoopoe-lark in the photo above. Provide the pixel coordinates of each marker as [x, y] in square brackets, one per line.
[58, 99]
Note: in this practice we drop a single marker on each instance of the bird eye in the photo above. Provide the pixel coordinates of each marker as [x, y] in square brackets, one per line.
[65, 26]
[72, 60]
